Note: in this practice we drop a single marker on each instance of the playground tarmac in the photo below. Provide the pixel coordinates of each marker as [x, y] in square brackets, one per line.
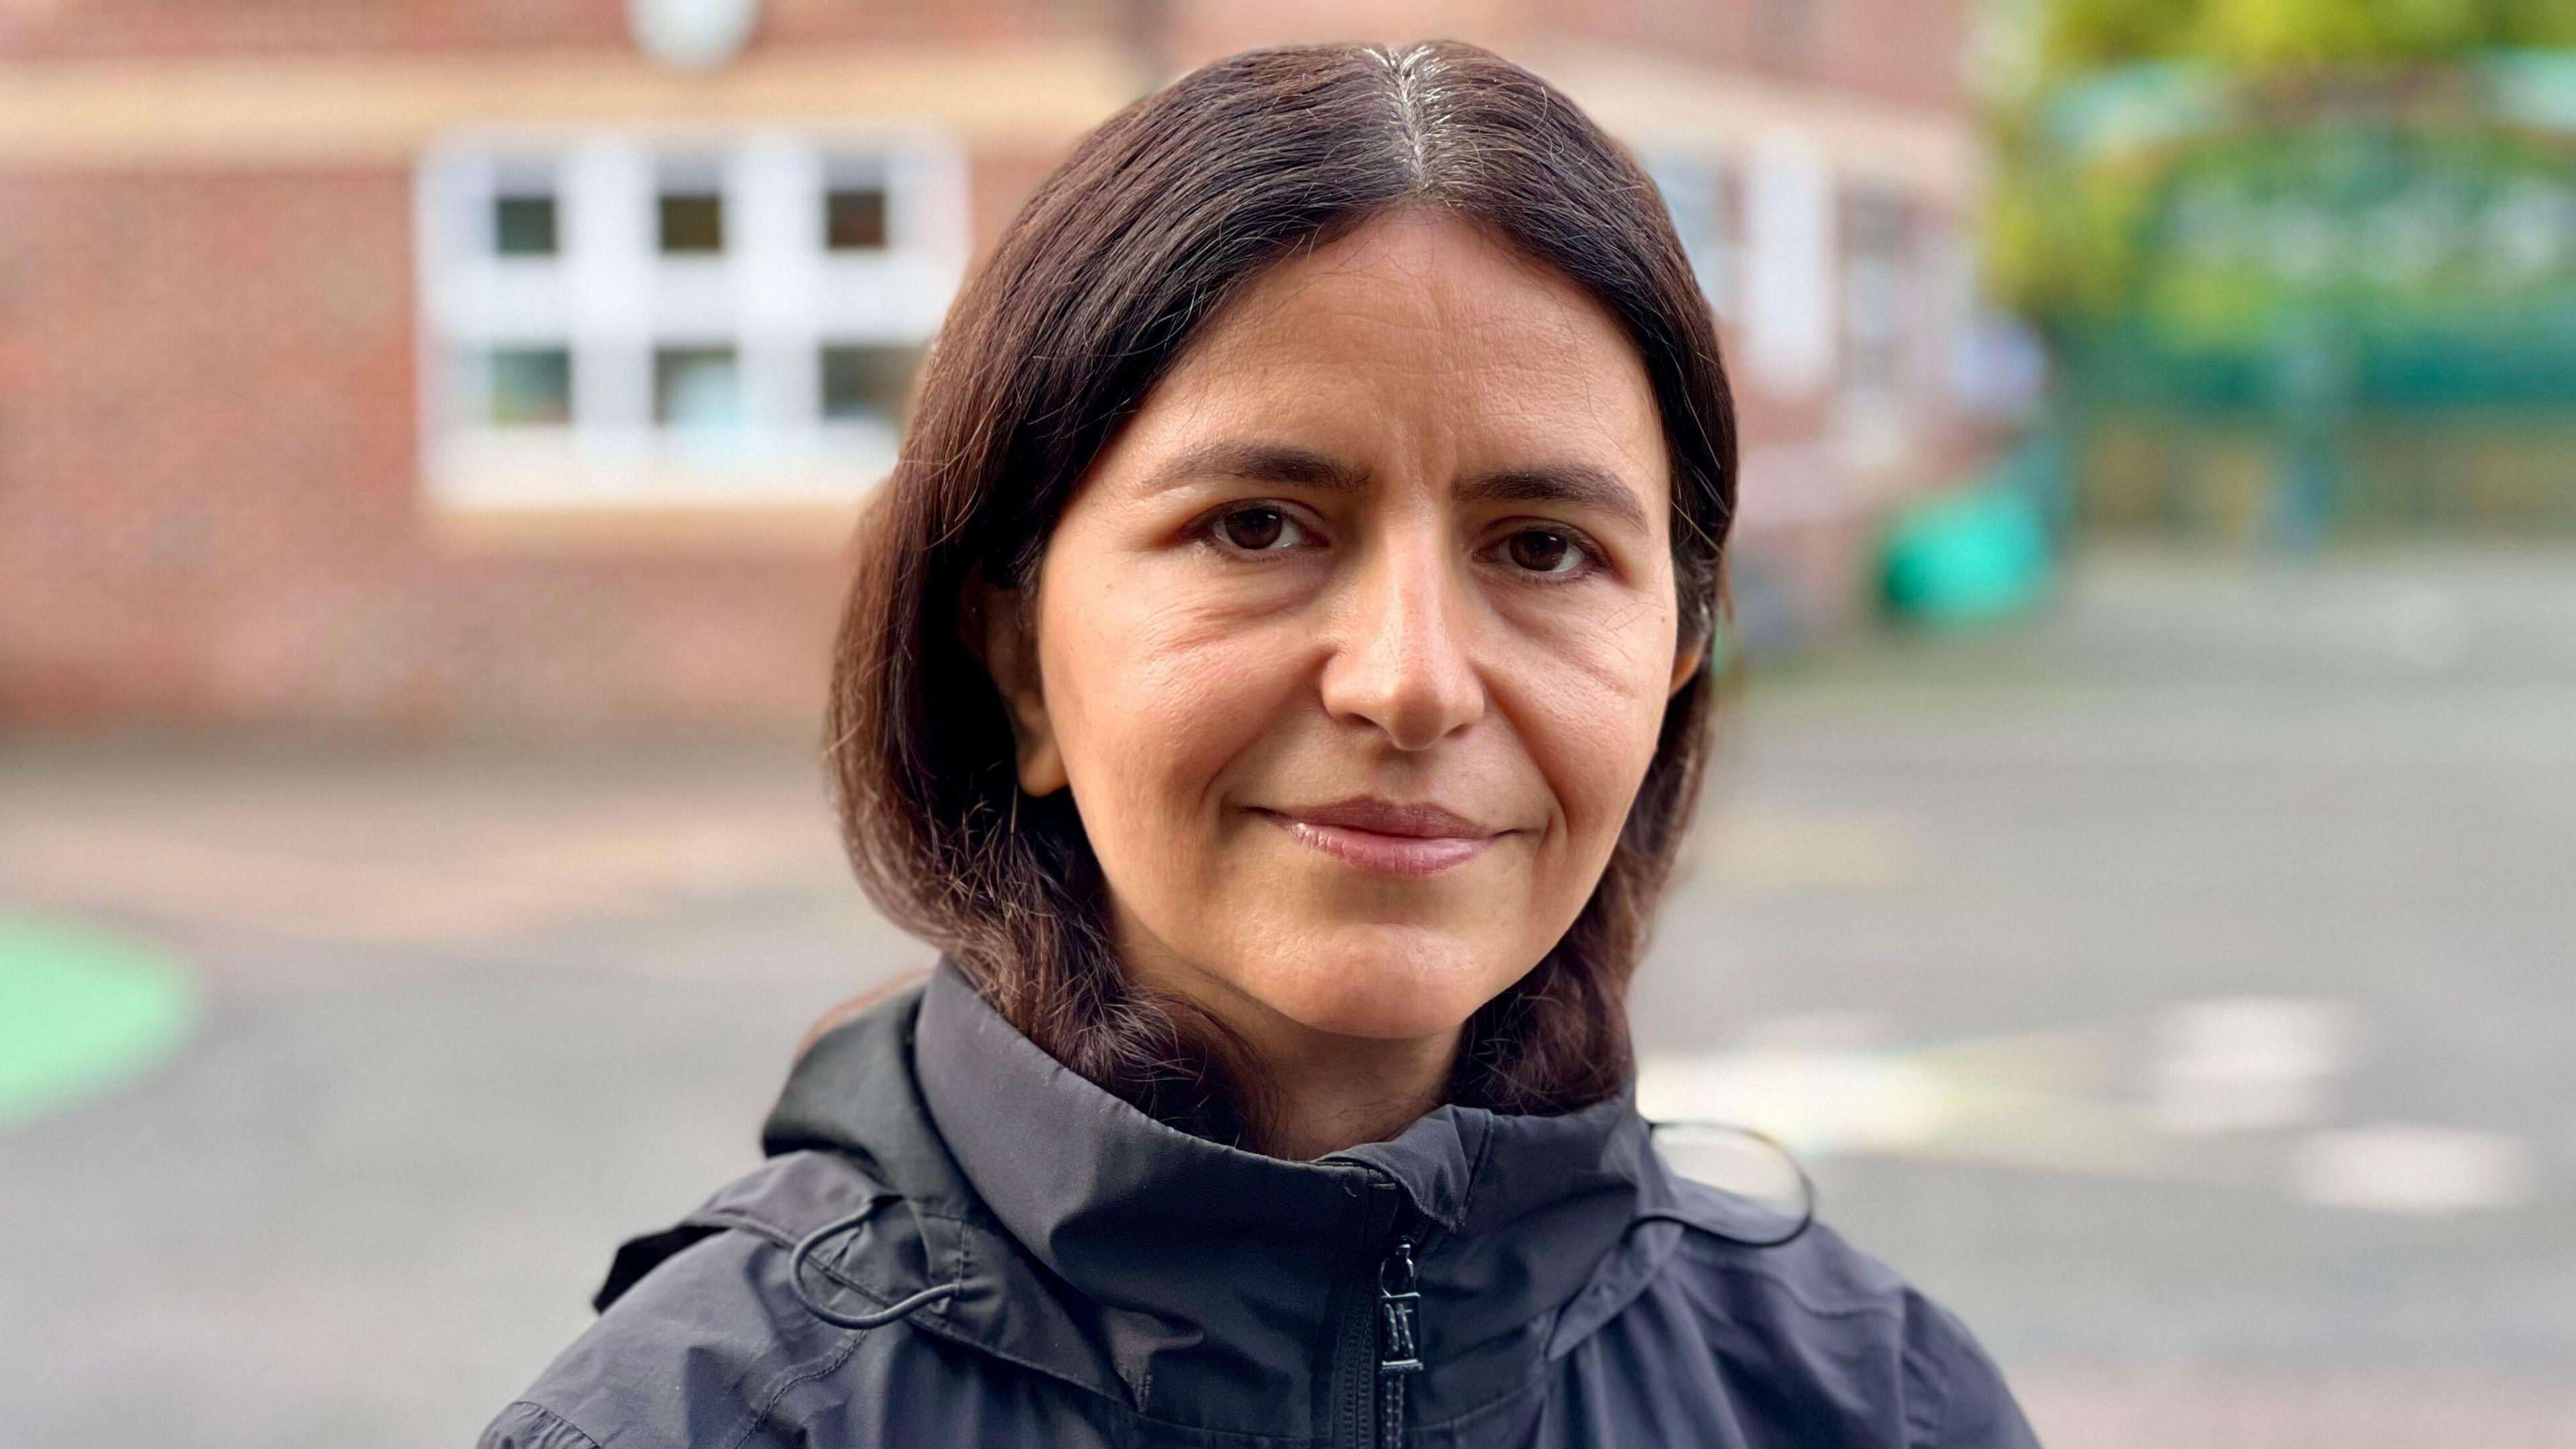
[2175, 983]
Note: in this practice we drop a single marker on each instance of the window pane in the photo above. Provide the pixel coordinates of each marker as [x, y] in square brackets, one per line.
[1694, 189]
[692, 221]
[855, 219]
[866, 384]
[696, 388]
[524, 226]
[530, 386]
[1878, 222]
[1876, 291]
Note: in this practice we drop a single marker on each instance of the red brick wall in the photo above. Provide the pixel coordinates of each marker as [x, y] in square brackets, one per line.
[210, 505]
[55, 28]
[1898, 50]
[210, 502]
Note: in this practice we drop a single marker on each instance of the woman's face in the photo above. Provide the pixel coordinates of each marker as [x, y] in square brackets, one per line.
[1354, 644]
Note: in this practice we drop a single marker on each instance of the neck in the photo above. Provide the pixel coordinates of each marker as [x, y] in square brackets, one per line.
[1328, 1091]
[1321, 1091]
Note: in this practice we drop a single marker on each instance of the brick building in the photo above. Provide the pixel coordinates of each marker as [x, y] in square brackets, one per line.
[507, 365]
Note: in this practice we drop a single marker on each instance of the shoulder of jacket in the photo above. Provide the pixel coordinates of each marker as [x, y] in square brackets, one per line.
[794, 1193]
[1956, 1397]
[702, 1336]
[700, 1352]
[1817, 1287]
[530, 1425]
[781, 1201]
[1814, 1271]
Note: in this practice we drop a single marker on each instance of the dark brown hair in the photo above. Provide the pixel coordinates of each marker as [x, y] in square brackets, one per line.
[1157, 218]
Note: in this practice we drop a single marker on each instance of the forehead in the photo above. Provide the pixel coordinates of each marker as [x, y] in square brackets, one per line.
[1421, 327]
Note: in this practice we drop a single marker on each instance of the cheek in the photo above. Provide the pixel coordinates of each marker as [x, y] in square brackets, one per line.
[1590, 718]
[1151, 706]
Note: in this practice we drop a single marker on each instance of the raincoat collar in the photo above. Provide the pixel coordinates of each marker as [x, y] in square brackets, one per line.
[1207, 1285]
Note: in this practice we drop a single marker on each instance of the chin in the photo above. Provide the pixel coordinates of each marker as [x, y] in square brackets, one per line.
[1390, 985]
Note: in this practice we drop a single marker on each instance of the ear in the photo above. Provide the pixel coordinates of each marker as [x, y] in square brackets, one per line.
[1687, 660]
[996, 624]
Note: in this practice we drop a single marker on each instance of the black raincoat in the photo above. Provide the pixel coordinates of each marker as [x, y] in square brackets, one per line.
[956, 1241]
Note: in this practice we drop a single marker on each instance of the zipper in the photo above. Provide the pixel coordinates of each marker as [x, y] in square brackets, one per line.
[1379, 1352]
[1399, 1345]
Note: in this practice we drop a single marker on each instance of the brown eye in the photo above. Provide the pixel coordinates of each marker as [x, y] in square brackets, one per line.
[1542, 551]
[1253, 529]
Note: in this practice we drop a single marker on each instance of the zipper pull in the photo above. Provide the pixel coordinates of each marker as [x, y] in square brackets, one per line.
[1399, 1351]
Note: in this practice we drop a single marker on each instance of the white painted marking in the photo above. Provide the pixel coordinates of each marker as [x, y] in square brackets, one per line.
[2249, 1063]
[1815, 1101]
[1736, 1162]
[2422, 1171]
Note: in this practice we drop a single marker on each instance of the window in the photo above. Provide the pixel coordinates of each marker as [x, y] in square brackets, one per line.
[864, 384]
[1695, 192]
[523, 226]
[1785, 289]
[639, 318]
[855, 220]
[689, 205]
[530, 386]
[854, 206]
[524, 218]
[1879, 296]
[692, 221]
[698, 389]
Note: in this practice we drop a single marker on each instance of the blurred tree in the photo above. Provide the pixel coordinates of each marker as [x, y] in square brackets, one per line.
[2080, 35]
[2061, 236]
[2288, 210]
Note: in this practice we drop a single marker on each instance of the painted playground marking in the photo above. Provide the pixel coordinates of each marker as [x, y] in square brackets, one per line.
[82, 1011]
[2172, 1098]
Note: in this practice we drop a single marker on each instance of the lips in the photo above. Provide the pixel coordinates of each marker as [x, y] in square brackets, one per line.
[1384, 837]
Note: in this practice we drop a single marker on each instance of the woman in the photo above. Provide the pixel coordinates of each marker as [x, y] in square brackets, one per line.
[1274, 679]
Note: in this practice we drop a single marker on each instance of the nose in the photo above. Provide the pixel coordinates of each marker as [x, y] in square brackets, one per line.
[1405, 661]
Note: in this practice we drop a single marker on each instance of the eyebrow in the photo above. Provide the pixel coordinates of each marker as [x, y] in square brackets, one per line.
[1580, 485]
[1257, 463]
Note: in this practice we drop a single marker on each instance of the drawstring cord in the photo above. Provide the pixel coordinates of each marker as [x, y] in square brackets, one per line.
[900, 1308]
[1806, 1184]
[903, 1308]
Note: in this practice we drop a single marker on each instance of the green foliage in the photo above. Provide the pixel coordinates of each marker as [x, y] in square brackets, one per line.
[2065, 225]
[2083, 35]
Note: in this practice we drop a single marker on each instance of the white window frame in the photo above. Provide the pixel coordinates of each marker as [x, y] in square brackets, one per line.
[1789, 280]
[776, 295]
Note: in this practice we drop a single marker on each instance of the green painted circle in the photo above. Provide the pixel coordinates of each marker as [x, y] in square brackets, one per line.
[82, 1011]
